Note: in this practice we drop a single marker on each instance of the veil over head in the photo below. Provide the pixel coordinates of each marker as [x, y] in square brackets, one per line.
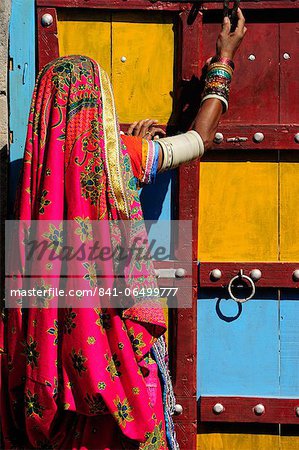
[76, 168]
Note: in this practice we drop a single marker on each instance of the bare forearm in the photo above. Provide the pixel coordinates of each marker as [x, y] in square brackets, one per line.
[207, 120]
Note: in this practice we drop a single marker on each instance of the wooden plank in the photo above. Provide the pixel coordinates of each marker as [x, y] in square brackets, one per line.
[273, 274]
[272, 4]
[241, 409]
[47, 38]
[289, 212]
[147, 43]
[237, 346]
[230, 436]
[184, 353]
[160, 212]
[289, 80]
[186, 434]
[289, 437]
[174, 5]
[94, 26]
[289, 344]
[191, 45]
[276, 137]
[251, 78]
[118, 4]
[238, 211]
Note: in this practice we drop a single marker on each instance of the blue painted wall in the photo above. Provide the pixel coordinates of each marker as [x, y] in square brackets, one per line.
[21, 81]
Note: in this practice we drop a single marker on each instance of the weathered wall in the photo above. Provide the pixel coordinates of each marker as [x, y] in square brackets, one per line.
[4, 20]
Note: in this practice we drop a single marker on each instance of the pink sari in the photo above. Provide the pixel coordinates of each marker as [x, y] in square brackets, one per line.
[82, 378]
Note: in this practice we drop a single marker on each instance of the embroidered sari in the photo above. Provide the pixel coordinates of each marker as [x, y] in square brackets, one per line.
[85, 378]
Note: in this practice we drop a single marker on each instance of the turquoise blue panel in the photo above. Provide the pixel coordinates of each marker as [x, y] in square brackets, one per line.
[21, 79]
[237, 345]
[158, 204]
[289, 344]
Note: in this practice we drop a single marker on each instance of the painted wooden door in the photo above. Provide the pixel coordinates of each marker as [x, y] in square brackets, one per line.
[247, 353]
[126, 44]
[137, 44]
[247, 195]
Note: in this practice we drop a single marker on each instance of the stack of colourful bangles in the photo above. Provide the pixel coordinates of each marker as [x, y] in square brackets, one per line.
[218, 80]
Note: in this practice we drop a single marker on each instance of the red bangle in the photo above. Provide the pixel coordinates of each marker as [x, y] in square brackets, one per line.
[223, 60]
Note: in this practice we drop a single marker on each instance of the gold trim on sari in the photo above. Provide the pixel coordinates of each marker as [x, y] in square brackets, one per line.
[112, 145]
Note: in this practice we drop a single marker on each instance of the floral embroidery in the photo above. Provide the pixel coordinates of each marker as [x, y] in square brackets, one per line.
[101, 385]
[104, 320]
[136, 341]
[78, 361]
[155, 439]
[55, 389]
[69, 324]
[30, 352]
[54, 331]
[91, 340]
[122, 415]
[43, 202]
[32, 405]
[113, 365]
[42, 301]
[135, 390]
[84, 230]
[55, 236]
[120, 345]
[95, 403]
[91, 275]
[54, 385]
[91, 185]
[148, 359]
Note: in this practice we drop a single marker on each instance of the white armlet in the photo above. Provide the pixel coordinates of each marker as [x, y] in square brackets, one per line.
[180, 149]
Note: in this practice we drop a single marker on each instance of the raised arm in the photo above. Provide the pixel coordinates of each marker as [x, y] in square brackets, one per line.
[209, 114]
[191, 145]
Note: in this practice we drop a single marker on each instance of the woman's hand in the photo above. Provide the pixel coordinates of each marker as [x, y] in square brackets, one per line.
[145, 129]
[227, 42]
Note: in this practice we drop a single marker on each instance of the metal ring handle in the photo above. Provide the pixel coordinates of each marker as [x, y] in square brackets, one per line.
[243, 277]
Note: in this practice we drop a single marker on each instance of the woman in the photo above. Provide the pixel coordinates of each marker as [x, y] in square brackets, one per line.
[96, 378]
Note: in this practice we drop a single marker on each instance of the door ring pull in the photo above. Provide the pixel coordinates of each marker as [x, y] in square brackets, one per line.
[242, 277]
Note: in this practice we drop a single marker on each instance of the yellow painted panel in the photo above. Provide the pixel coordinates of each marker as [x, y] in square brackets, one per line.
[289, 443]
[238, 218]
[85, 33]
[289, 213]
[143, 84]
[228, 441]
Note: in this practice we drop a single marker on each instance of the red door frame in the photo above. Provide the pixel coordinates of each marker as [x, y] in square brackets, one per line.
[190, 65]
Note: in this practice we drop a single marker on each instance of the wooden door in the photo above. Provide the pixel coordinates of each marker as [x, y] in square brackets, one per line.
[149, 50]
[247, 353]
[245, 194]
